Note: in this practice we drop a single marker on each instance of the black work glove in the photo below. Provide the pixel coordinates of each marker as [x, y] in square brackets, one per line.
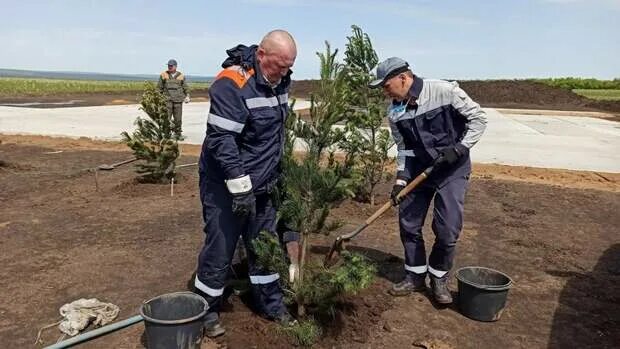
[449, 156]
[397, 188]
[243, 199]
[244, 204]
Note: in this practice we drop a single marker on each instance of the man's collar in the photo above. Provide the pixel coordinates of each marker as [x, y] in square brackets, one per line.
[414, 92]
[260, 78]
[416, 87]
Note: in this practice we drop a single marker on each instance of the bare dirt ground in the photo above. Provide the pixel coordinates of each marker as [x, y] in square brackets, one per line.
[563, 178]
[516, 94]
[86, 99]
[554, 232]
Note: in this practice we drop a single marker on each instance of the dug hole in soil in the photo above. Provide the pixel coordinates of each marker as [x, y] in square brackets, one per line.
[61, 240]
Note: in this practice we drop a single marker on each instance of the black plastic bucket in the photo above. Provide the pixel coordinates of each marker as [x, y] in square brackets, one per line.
[482, 292]
[174, 320]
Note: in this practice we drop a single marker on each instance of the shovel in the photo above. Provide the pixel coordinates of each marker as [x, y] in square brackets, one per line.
[339, 245]
[106, 167]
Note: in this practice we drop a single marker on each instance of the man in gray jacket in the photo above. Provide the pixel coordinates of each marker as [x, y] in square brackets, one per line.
[433, 122]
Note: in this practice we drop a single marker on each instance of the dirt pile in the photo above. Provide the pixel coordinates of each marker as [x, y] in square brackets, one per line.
[519, 94]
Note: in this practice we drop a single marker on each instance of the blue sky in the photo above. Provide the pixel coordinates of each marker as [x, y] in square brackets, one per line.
[442, 39]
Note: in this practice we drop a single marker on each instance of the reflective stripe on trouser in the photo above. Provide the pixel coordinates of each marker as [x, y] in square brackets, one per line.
[447, 225]
[223, 229]
[176, 110]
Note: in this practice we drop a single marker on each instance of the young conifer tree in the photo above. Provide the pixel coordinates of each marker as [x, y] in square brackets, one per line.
[155, 140]
[312, 185]
[365, 127]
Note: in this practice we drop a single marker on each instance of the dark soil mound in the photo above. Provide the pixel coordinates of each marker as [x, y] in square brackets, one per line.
[519, 94]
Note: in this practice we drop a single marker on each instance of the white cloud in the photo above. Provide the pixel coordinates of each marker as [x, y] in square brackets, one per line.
[399, 9]
[611, 4]
[85, 49]
[420, 10]
[133, 52]
[279, 3]
[564, 1]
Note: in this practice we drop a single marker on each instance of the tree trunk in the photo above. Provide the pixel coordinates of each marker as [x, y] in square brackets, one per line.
[301, 309]
[371, 188]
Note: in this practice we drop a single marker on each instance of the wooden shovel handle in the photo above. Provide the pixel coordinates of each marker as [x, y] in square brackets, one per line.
[338, 245]
[406, 190]
[124, 162]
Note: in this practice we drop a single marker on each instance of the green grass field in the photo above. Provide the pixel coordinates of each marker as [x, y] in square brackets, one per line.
[581, 83]
[601, 95]
[46, 87]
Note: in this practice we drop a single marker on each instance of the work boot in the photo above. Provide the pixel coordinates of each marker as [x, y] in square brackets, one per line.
[411, 283]
[285, 319]
[212, 325]
[439, 288]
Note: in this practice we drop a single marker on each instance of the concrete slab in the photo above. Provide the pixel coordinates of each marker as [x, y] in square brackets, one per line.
[595, 114]
[564, 142]
[102, 122]
[577, 143]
